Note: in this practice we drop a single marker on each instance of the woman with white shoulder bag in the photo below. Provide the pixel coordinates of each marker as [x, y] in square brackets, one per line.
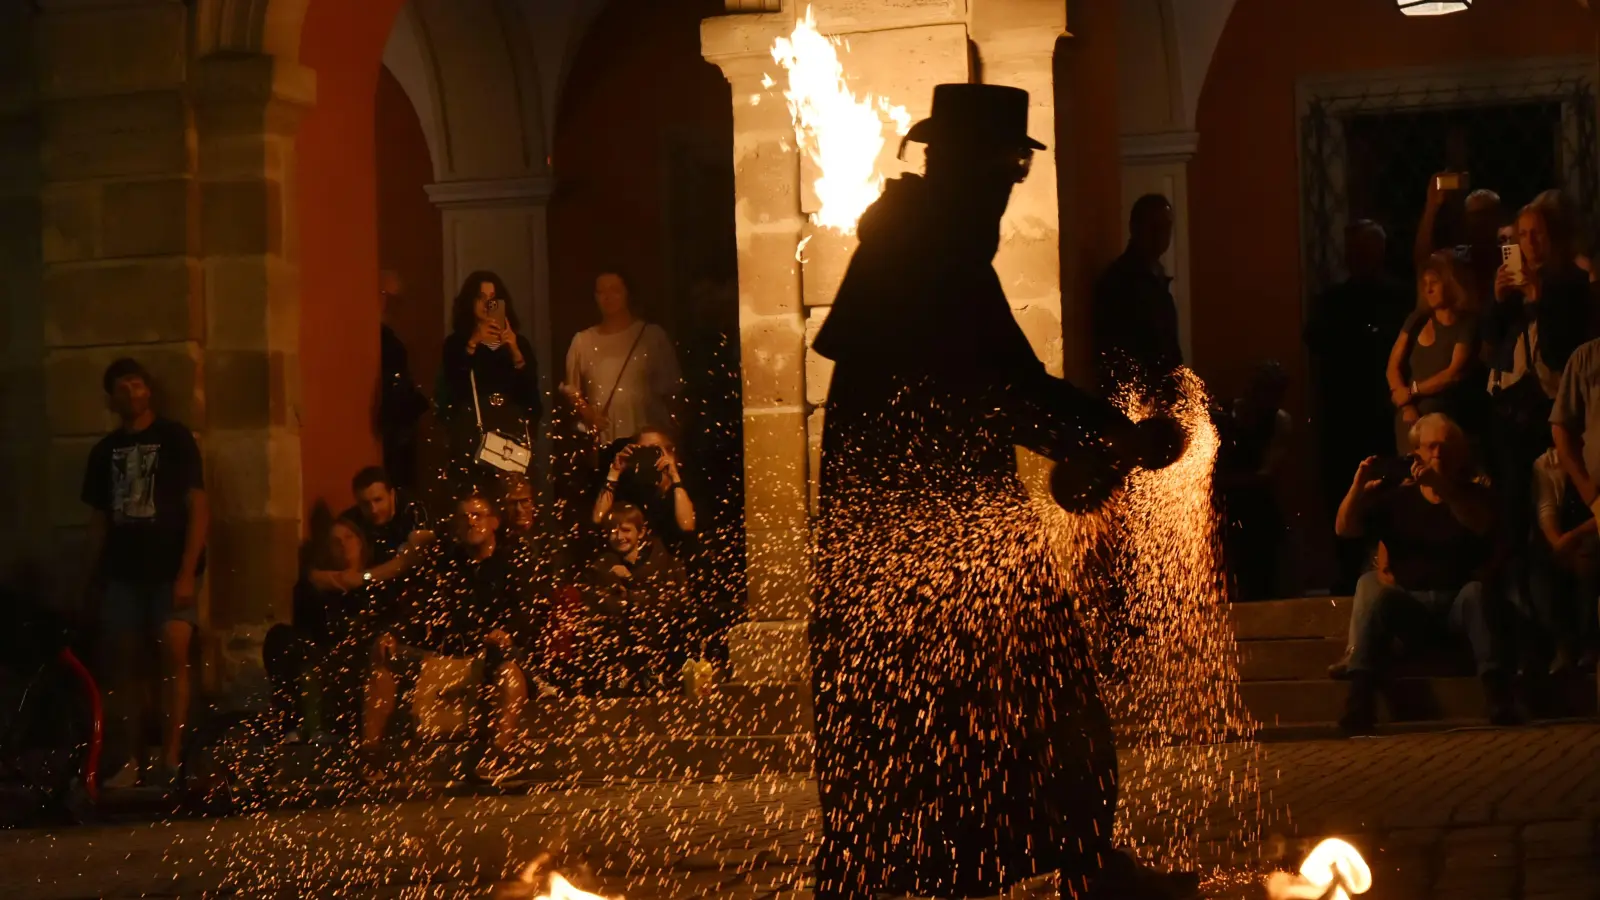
[488, 382]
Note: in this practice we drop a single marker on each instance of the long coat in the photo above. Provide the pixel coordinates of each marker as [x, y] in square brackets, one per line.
[961, 742]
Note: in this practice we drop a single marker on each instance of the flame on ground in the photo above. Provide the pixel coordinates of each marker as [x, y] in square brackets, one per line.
[1334, 870]
[559, 888]
[843, 134]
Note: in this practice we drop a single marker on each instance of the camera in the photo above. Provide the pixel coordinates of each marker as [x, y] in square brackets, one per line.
[642, 476]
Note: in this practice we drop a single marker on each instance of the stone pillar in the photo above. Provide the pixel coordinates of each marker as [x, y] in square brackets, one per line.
[24, 443]
[247, 108]
[503, 226]
[772, 330]
[1093, 229]
[120, 229]
[1016, 42]
[1158, 163]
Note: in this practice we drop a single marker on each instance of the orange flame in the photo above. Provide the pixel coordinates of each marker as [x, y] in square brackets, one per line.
[1333, 871]
[843, 134]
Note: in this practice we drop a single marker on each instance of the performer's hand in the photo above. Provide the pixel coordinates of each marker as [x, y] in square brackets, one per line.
[1083, 481]
[1161, 441]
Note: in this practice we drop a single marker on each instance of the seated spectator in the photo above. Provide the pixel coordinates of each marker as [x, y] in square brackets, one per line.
[473, 601]
[644, 473]
[1437, 525]
[394, 526]
[314, 663]
[1435, 351]
[629, 633]
[1564, 575]
[1255, 439]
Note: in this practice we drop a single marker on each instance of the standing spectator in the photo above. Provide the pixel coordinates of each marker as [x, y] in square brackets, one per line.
[1255, 437]
[1478, 248]
[622, 374]
[400, 402]
[1350, 333]
[145, 487]
[1435, 350]
[486, 349]
[1437, 526]
[1540, 315]
[1136, 338]
[1564, 578]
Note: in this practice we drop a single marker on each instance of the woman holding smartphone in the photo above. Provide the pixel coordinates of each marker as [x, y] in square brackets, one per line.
[486, 351]
[1435, 351]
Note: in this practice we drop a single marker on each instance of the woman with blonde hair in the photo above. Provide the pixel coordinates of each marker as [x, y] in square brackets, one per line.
[1436, 350]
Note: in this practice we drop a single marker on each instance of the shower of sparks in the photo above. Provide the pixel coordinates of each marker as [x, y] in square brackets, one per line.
[842, 133]
[1332, 871]
[1154, 552]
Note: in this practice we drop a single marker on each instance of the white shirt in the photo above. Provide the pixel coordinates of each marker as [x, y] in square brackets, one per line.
[595, 364]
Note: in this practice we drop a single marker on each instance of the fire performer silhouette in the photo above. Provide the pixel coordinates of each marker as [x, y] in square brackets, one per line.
[961, 742]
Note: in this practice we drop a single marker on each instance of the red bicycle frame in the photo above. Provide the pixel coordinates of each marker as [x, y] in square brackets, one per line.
[91, 759]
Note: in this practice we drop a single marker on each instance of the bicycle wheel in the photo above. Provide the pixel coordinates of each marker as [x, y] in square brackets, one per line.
[46, 741]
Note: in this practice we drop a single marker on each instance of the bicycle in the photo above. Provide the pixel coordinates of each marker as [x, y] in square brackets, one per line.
[52, 720]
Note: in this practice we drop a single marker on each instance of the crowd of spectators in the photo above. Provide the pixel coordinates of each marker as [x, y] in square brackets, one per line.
[468, 564]
[1470, 521]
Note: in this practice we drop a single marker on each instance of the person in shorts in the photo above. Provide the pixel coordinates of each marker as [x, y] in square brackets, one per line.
[146, 492]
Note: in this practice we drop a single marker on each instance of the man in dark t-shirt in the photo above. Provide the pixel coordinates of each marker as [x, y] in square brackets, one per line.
[145, 489]
[1135, 320]
[1437, 525]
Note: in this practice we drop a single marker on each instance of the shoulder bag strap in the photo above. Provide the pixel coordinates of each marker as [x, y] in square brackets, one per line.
[620, 372]
[476, 411]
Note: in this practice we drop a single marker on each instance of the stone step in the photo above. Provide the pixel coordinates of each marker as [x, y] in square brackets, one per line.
[1294, 659]
[1309, 617]
[1277, 704]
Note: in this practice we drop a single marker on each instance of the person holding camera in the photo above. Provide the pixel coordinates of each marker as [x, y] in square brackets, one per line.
[1437, 523]
[645, 473]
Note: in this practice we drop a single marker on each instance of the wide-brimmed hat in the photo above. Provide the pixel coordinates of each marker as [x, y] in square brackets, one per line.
[988, 115]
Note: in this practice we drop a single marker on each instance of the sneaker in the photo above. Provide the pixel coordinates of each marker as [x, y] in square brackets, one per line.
[126, 777]
[1340, 671]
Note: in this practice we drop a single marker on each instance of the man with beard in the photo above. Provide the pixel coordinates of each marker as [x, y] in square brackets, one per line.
[961, 742]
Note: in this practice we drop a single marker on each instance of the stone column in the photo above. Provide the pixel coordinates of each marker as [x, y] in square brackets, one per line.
[503, 225]
[1016, 42]
[247, 108]
[772, 329]
[1159, 164]
[120, 229]
[24, 443]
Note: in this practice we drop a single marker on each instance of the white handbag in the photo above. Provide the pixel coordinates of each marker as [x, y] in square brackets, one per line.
[494, 448]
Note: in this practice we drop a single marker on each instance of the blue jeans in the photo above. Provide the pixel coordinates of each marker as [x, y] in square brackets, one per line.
[1383, 613]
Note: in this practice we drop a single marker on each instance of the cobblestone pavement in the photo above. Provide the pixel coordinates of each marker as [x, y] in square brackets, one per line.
[1492, 814]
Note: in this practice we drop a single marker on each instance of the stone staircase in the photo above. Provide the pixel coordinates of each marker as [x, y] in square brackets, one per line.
[1286, 647]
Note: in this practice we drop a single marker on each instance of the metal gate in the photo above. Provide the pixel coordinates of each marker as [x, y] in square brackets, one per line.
[1368, 144]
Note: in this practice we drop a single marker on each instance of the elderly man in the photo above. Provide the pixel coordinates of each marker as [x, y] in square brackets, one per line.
[1437, 524]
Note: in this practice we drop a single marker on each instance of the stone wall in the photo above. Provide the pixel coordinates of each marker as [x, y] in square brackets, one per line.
[160, 232]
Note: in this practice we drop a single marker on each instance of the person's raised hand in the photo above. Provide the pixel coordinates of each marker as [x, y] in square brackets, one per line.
[619, 463]
[1436, 194]
[1504, 282]
[1368, 475]
[622, 572]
